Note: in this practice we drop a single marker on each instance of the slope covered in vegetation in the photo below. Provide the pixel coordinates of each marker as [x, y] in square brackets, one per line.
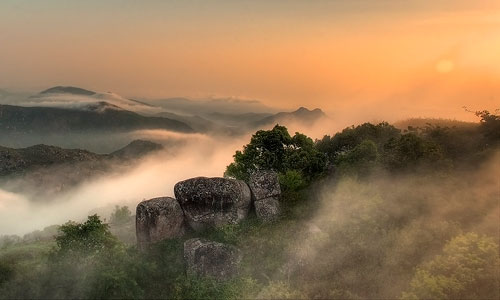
[370, 212]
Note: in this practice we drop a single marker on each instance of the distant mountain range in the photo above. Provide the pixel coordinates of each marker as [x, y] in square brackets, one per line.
[100, 116]
[66, 109]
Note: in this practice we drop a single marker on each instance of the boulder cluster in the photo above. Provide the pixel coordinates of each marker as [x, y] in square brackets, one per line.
[201, 203]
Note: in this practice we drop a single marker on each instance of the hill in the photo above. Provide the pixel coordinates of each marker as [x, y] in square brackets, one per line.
[30, 120]
[302, 116]
[43, 170]
[67, 90]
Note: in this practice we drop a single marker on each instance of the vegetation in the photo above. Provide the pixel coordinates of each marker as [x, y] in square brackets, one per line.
[465, 270]
[370, 212]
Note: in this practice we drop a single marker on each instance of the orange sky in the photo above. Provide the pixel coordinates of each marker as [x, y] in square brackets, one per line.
[381, 59]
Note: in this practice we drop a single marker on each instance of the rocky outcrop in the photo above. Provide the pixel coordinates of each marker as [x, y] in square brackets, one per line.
[208, 258]
[264, 184]
[212, 202]
[266, 192]
[268, 209]
[158, 219]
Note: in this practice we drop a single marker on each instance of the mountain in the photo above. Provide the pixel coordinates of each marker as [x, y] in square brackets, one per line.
[32, 120]
[136, 149]
[43, 170]
[79, 98]
[17, 161]
[68, 90]
[237, 119]
[203, 107]
[302, 116]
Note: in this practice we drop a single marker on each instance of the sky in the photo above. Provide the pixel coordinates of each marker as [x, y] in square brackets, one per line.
[376, 59]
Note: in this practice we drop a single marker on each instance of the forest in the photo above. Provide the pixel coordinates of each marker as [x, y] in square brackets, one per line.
[371, 211]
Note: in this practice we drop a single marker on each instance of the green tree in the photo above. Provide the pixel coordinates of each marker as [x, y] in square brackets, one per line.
[468, 268]
[360, 160]
[350, 137]
[276, 150]
[89, 262]
[410, 151]
[87, 238]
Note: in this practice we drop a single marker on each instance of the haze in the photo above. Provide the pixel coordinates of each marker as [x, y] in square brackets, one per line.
[358, 59]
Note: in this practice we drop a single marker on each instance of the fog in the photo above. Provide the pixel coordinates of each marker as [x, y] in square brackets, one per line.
[153, 176]
[390, 224]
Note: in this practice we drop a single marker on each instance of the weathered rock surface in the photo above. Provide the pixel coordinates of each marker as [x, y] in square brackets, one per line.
[158, 219]
[266, 192]
[264, 184]
[208, 258]
[212, 202]
[267, 209]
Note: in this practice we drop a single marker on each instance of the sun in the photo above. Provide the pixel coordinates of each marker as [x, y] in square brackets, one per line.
[445, 66]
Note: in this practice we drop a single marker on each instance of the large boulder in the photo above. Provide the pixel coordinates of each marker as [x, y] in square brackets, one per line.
[158, 219]
[267, 209]
[266, 192]
[212, 202]
[208, 258]
[264, 184]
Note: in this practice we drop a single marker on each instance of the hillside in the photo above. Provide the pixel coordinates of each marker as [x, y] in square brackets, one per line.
[336, 218]
[31, 120]
[44, 170]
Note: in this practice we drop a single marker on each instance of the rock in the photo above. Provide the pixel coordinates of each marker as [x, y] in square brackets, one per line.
[212, 202]
[266, 192]
[267, 209]
[208, 258]
[158, 219]
[264, 184]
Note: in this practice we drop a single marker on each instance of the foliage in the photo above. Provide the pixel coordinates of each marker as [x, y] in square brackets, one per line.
[90, 261]
[360, 160]
[365, 215]
[87, 238]
[411, 151]
[467, 269]
[6, 272]
[351, 137]
[120, 216]
[490, 125]
[292, 181]
[276, 150]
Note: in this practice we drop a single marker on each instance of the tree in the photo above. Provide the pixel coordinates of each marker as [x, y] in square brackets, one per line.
[89, 262]
[410, 151]
[276, 150]
[350, 137]
[121, 215]
[86, 238]
[360, 160]
[467, 269]
[490, 126]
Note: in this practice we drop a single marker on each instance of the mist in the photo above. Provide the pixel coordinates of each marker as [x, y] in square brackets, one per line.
[184, 156]
[367, 233]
